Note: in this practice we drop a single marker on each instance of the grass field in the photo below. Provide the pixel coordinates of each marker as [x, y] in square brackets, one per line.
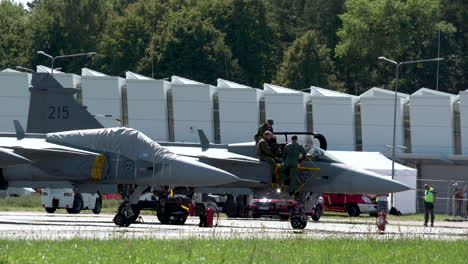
[234, 251]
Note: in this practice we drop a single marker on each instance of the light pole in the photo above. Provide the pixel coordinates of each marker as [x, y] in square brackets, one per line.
[63, 56]
[397, 65]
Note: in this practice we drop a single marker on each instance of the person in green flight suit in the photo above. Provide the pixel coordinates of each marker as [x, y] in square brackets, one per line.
[290, 161]
[263, 148]
[267, 126]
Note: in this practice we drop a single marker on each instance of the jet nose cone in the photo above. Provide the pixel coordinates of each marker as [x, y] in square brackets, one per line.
[353, 180]
[190, 172]
[369, 182]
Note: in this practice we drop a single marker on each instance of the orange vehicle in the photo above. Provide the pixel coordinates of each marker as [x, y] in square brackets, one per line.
[353, 204]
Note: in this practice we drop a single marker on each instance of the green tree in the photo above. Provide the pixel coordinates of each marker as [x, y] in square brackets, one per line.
[307, 62]
[454, 47]
[14, 43]
[64, 27]
[323, 17]
[401, 30]
[247, 33]
[187, 45]
[125, 38]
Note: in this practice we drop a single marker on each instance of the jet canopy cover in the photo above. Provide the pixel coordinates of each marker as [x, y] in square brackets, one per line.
[124, 141]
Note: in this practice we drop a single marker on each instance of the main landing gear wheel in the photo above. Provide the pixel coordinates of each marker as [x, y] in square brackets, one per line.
[122, 221]
[298, 221]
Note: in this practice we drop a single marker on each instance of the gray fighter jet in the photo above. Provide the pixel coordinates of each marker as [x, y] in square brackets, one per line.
[92, 160]
[323, 173]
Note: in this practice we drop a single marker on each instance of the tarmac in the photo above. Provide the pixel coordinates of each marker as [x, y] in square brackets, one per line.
[41, 226]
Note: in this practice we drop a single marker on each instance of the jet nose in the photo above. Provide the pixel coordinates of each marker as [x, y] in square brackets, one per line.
[364, 181]
[190, 172]
[354, 180]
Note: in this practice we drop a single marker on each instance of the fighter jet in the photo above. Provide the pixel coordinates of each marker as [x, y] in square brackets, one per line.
[91, 160]
[323, 173]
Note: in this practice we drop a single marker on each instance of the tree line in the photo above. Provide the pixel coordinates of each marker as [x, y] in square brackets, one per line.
[295, 43]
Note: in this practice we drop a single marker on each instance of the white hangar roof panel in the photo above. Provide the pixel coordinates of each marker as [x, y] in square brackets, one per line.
[377, 107]
[234, 92]
[376, 92]
[228, 84]
[14, 99]
[287, 107]
[9, 70]
[99, 85]
[193, 109]
[181, 80]
[14, 83]
[92, 73]
[146, 88]
[333, 116]
[135, 76]
[102, 94]
[239, 111]
[147, 105]
[432, 122]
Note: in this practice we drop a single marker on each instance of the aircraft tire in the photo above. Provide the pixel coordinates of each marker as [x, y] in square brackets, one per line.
[77, 205]
[121, 220]
[317, 213]
[298, 222]
[50, 210]
[97, 206]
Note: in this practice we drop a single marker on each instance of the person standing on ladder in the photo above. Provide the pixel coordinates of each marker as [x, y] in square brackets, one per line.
[429, 199]
[291, 154]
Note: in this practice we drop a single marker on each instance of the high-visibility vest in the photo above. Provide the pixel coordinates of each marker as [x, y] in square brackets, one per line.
[429, 195]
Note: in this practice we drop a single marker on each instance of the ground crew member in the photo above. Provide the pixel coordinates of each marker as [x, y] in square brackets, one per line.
[291, 160]
[267, 126]
[429, 199]
[264, 152]
[382, 202]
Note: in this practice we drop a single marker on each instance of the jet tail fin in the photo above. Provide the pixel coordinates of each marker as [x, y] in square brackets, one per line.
[205, 143]
[19, 130]
[53, 108]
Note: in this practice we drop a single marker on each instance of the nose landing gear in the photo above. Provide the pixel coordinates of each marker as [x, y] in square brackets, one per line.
[126, 214]
[299, 220]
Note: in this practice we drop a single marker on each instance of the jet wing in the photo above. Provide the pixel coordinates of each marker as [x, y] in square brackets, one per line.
[8, 158]
[74, 163]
